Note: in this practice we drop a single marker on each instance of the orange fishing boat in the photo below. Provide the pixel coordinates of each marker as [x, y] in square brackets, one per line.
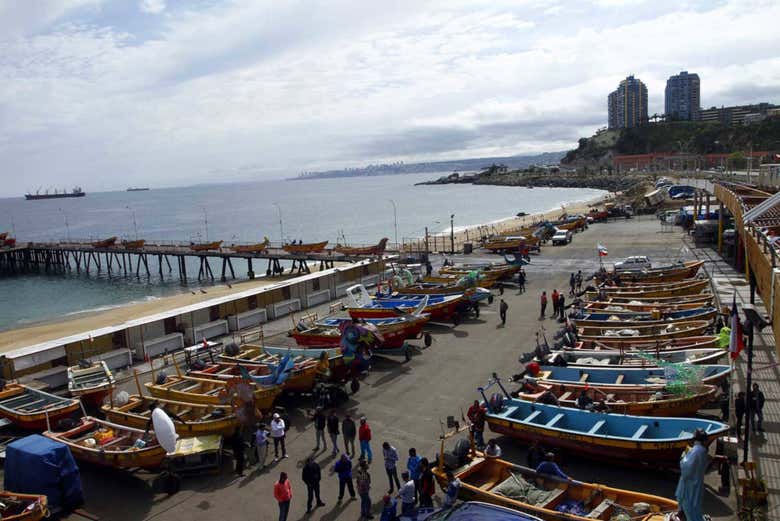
[377, 249]
[205, 246]
[207, 391]
[251, 248]
[134, 245]
[312, 247]
[105, 243]
[301, 377]
[29, 408]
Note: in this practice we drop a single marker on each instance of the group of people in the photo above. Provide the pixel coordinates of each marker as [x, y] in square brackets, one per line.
[756, 397]
[575, 283]
[558, 305]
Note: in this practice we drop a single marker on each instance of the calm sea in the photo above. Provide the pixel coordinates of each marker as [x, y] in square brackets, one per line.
[358, 209]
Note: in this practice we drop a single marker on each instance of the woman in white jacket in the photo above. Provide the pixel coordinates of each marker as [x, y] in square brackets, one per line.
[277, 434]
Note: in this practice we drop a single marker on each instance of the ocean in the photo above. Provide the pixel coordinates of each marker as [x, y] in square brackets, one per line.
[358, 209]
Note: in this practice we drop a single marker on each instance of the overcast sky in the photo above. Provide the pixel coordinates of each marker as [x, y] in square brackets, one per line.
[163, 92]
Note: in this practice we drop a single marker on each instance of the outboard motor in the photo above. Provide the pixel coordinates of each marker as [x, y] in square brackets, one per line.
[496, 403]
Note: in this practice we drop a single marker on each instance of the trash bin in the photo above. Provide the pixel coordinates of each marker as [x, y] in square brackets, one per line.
[468, 248]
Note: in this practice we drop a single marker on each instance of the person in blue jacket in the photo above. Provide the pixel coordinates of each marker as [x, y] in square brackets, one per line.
[690, 488]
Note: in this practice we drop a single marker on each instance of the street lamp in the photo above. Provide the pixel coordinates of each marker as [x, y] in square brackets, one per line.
[281, 225]
[395, 220]
[452, 234]
[67, 226]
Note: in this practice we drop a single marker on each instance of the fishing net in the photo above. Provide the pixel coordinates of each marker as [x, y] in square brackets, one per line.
[682, 379]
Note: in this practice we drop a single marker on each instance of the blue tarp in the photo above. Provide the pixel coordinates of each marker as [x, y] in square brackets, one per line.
[37, 465]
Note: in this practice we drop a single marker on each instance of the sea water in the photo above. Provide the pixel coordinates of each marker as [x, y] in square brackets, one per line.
[358, 209]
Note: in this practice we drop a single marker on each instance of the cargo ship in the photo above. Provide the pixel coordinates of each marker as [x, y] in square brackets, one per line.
[76, 192]
[138, 189]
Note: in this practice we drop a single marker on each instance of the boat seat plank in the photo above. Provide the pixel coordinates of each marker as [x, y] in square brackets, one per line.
[640, 431]
[565, 396]
[619, 379]
[533, 415]
[597, 427]
[553, 498]
[602, 507]
[555, 420]
[115, 441]
[584, 377]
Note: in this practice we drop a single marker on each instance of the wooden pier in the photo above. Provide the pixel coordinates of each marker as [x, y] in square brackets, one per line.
[86, 257]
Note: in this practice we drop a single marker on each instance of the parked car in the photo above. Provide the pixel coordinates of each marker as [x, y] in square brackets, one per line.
[561, 237]
[634, 263]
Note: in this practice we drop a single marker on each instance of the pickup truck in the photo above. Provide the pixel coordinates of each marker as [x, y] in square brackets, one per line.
[561, 237]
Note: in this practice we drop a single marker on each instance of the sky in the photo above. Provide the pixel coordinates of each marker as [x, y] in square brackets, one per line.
[109, 94]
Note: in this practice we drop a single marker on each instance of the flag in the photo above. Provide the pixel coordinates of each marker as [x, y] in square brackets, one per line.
[736, 341]
[602, 250]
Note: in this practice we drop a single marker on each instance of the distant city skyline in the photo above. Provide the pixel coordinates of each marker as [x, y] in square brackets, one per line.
[106, 94]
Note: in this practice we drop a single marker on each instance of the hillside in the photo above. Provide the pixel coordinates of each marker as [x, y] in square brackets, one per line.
[682, 136]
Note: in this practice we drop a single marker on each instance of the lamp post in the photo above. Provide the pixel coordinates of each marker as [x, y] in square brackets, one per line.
[281, 225]
[206, 223]
[135, 225]
[452, 234]
[395, 220]
[67, 226]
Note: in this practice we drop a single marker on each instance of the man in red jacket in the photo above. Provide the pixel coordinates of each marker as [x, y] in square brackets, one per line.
[364, 435]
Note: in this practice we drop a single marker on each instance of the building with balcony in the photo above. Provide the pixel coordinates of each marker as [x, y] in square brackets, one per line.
[682, 97]
[627, 105]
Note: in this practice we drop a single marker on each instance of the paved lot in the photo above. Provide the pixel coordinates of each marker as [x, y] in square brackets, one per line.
[405, 402]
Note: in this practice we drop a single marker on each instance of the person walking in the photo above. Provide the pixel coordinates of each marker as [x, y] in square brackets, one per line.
[739, 410]
[521, 280]
[343, 468]
[319, 429]
[348, 432]
[562, 306]
[390, 455]
[476, 415]
[406, 494]
[237, 445]
[261, 445]
[578, 281]
[572, 284]
[543, 302]
[502, 308]
[363, 485]
[554, 297]
[283, 494]
[427, 484]
[311, 476]
[333, 431]
[364, 436]
[413, 468]
[757, 408]
[278, 431]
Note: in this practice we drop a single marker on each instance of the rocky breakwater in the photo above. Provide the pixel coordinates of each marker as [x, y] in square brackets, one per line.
[534, 178]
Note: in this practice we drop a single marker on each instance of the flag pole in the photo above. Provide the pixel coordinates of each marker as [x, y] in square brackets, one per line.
[748, 401]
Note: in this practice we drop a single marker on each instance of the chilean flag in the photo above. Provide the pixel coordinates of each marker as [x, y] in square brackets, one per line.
[736, 341]
[602, 250]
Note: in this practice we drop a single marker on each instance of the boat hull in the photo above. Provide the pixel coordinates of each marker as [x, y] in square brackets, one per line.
[305, 248]
[35, 507]
[132, 415]
[650, 346]
[647, 333]
[443, 310]
[628, 321]
[672, 274]
[693, 288]
[15, 397]
[301, 378]
[393, 335]
[207, 391]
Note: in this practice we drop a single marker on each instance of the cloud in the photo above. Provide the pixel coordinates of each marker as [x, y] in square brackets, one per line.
[152, 6]
[88, 87]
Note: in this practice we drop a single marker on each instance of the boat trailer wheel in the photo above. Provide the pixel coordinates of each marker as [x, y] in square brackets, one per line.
[171, 483]
[428, 339]
[354, 385]
[490, 298]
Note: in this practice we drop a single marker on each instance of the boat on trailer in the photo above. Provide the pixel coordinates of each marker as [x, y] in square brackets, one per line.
[29, 408]
[689, 288]
[91, 382]
[704, 299]
[611, 358]
[208, 391]
[643, 333]
[656, 317]
[301, 377]
[502, 483]
[612, 379]
[394, 331]
[22, 507]
[440, 307]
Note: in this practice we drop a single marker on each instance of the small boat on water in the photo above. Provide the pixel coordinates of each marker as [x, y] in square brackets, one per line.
[394, 331]
[312, 247]
[589, 357]
[189, 419]
[704, 299]
[22, 507]
[620, 438]
[105, 243]
[205, 246]
[360, 304]
[111, 445]
[502, 483]
[640, 318]
[636, 403]
[675, 272]
[251, 248]
[207, 391]
[693, 287]
[29, 408]
[377, 249]
[91, 382]
[613, 379]
[134, 245]
[626, 343]
[643, 333]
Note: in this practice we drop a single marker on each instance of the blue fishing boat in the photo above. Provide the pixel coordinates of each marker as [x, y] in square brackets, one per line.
[359, 304]
[630, 378]
[606, 318]
[656, 441]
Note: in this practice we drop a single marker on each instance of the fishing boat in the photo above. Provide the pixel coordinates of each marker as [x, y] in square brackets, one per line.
[572, 224]
[189, 419]
[377, 249]
[251, 248]
[704, 299]
[643, 333]
[651, 345]
[207, 391]
[134, 245]
[91, 382]
[589, 357]
[471, 294]
[111, 445]
[636, 403]
[689, 288]
[613, 379]
[498, 272]
[330, 362]
[205, 246]
[22, 507]
[105, 243]
[450, 280]
[28, 408]
[3, 235]
[642, 285]
[638, 318]
[640, 307]
[511, 244]
[312, 247]
[619, 438]
[502, 483]
[359, 304]
[394, 331]
[10, 242]
[679, 271]
[300, 378]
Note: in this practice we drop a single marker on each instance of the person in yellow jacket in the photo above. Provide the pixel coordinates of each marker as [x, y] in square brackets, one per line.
[724, 337]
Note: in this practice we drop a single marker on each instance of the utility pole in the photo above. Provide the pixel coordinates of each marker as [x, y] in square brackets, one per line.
[452, 234]
[281, 225]
[206, 223]
[395, 221]
[426, 242]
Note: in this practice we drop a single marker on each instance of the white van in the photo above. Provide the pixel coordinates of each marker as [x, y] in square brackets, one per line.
[561, 237]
